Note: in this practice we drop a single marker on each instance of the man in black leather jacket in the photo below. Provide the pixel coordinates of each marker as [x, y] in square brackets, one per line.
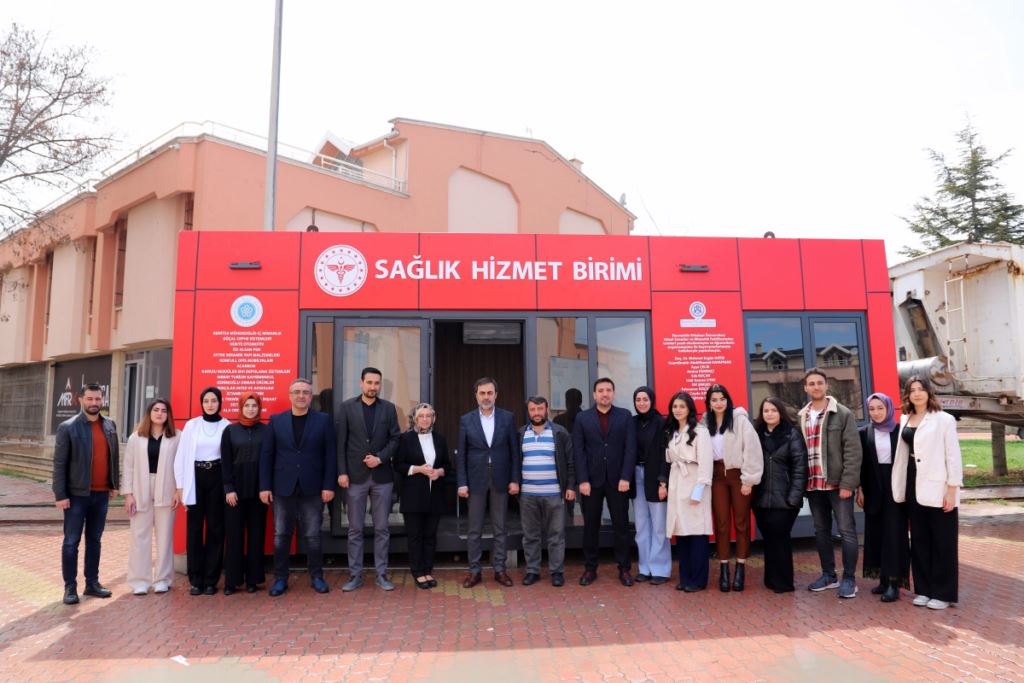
[85, 478]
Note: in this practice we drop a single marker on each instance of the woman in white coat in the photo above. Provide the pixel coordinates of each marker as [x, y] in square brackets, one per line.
[927, 473]
[201, 490]
[150, 498]
[688, 458]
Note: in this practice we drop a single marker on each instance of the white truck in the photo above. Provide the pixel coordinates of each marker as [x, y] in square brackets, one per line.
[959, 319]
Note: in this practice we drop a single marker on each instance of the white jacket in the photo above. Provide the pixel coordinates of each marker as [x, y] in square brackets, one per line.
[937, 456]
[741, 449]
[185, 458]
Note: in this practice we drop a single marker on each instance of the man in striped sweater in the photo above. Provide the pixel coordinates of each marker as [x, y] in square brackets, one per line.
[548, 479]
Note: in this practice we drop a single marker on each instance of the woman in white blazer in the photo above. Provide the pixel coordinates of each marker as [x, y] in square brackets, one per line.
[150, 498]
[927, 473]
[688, 517]
[201, 490]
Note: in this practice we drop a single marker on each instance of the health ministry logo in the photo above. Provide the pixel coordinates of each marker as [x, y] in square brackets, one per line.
[246, 310]
[340, 270]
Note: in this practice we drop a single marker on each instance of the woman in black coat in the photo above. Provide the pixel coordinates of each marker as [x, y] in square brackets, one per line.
[886, 543]
[422, 463]
[245, 516]
[649, 507]
[780, 495]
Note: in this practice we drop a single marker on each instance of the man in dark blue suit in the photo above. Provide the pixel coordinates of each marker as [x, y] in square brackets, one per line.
[298, 469]
[488, 462]
[604, 449]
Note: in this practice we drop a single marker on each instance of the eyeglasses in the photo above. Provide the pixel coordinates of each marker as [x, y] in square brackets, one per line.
[301, 392]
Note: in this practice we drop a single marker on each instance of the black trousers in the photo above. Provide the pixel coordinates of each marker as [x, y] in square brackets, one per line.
[618, 508]
[886, 544]
[422, 533]
[693, 560]
[933, 546]
[776, 525]
[246, 530]
[204, 527]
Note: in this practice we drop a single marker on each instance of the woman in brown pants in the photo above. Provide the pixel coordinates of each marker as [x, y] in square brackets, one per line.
[737, 470]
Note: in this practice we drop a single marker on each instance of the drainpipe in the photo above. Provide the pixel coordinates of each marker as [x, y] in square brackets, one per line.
[394, 163]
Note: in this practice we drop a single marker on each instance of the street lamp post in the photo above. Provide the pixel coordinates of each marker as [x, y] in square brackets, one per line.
[269, 207]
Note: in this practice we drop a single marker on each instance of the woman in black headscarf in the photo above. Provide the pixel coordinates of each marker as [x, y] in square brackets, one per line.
[649, 506]
[201, 490]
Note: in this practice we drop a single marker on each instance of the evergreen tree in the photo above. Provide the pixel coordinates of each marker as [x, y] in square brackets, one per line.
[969, 204]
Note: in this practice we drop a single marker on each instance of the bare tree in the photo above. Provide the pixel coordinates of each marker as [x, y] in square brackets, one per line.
[49, 131]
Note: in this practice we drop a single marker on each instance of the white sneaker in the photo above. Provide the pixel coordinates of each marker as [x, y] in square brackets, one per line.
[140, 591]
[935, 603]
[161, 587]
[921, 600]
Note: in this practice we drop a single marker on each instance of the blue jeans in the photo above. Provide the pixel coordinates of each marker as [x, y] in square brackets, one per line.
[308, 513]
[88, 513]
[823, 504]
[652, 544]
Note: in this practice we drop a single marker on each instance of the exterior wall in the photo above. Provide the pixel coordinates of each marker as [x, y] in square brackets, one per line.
[65, 333]
[150, 265]
[15, 296]
[327, 222]
[477, 203]
[576, 223]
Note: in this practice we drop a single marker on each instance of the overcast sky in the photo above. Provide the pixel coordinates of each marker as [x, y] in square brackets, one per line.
[806, 118]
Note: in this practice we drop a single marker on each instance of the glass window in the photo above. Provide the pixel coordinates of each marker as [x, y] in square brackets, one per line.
[622, 355]
[322, 367]
[775, 353]
[837, 352]
[396, 351]
[563, 370]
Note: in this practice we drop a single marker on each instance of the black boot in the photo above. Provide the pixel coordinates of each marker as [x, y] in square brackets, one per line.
[737, 582]
[883, 583]
[723, 577]
[892, 591]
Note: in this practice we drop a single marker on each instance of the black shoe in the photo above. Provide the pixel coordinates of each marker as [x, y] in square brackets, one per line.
[425, 585]
[658, 580]
[195, 590]
[278, 587]
[71, 595]
[432, 583]
[892, 591]
[640, 578]
[589, 577]
[694, 589]
[880, 588]
[723, 577]
[210, 590]
[96, 590]
[251, 588]
[738, 580]
[531, 579]
[625, 578]
[680, 586]
[558, 579]
[230, 590]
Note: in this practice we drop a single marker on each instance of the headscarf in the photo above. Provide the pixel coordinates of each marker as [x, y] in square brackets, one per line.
[414, 426]
[643, 418]
[889, 423]
[242, 419]
[220, 402]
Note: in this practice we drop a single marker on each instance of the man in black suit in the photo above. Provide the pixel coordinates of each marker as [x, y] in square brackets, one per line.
[604, 446]
[488, 462]
[298, 469]
[367, 439]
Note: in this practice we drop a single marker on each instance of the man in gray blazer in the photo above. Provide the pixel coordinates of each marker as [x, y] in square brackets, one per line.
[488, 462]
[367, 440]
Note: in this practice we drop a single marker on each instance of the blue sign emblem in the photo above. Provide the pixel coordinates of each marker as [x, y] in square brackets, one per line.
[246, 311]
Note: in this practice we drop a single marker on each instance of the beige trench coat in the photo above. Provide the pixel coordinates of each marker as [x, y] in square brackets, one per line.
[135, 472]
[689, 465]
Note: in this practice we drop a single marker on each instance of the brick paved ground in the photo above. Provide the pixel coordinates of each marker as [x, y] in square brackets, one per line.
[494, 635]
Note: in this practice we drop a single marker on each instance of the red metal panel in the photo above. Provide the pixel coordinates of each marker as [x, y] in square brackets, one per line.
[181, 354]
[479, 272]
[770, 274]
[258, 355]
[352, 271]
[875, 268]
[718, 253]
[188, 248]
[833, 275]
[882, 345]
[606, 272]
[277, 253]
[692, 351]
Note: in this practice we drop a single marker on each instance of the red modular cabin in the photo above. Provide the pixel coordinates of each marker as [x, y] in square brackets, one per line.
[543, 314]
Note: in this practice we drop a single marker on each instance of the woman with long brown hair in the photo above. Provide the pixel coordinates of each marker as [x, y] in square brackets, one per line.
[927, 473]
[245, 517]
[150, 498]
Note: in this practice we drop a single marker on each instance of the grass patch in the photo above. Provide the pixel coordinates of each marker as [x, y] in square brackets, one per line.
[978, 452]
[19, 475]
